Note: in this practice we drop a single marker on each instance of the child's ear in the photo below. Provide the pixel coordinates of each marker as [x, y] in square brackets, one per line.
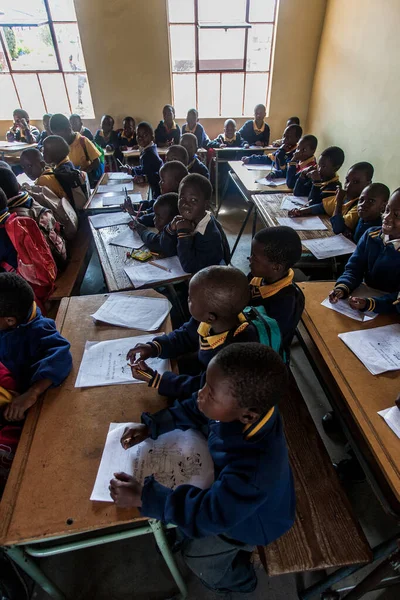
[11, 321]
[211, 317]
[249, 416]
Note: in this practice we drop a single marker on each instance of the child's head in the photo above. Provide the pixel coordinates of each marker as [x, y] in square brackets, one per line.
[177, 152]
[391, 216]
[293, 121]
[329, 162]
[32, 162]
[16, 299]
[129, 125]
[259, 113]
[4, 164]
[243, 382]
[274, 250]
[372, 202]
[55, 149]
[144, 134]
[76, 122]
[195, 193]
[217, 295]
[168, 115]
[19, 114]
[9, 183]
[230, 128]
[165, 209]
[192, 117]
[291, 135]
[171, 175]
[307, 147]
[60, 125]
[46, 122]
[107, 124]
[189, 141]
[357, 178]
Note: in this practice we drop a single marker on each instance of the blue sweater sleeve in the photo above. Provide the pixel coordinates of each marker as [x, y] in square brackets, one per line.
[182, 415]
[180, 341]
[259, 159]
[168, 242]
[384, 304]
[338, 225]
[179, 386]
[52, 358]
[151, 239]
[302, 186]
[317, 209]
[356, 266]
[198, 251]
[291, 175]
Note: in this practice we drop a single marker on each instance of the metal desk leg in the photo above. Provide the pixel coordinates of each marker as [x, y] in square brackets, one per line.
[165, 550]
[216, 184]
[253, 231]
[249, 210]
[28, 565]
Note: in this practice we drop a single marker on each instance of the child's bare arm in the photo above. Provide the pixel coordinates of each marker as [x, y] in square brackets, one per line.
[15, 411]
[300, 212]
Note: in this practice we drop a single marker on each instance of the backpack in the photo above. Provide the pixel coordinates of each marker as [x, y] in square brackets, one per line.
[61, 208]
[94, 176]
[75, 184]
[268, 329]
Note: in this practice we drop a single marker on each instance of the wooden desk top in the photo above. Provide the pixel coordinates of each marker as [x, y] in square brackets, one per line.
[248, 180]
[95, 202]
[15, 147]
[364, 394]
[63, 439]
[249, 150]
[162, 151]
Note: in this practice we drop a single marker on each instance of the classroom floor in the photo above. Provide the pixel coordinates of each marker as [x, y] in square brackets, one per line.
[133, 569]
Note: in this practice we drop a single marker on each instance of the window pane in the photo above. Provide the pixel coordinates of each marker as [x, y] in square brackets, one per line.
[79, 95]
[62, 10]
[262, 10]
[31, 48]
[69, 45]
[184, 94]
[23, 11]
[255, 92]
[232, 94]
[259, 47]
[208, 88]
[221, 50]
[54, 92]
[222, 11]
[181, 11]
[30, 95]
[3, 61]
[9, 99]
[183, 57]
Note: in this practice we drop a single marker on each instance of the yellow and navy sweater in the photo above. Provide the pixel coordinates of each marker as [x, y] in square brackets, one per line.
[196, 166]
[199, 132]
[194, 337]
[346, 222]
[235, 142]
[323, 189]
[251, 133]
[112, 139]
[163, 135]
[278, 159]
[377, 262]
[301, 186]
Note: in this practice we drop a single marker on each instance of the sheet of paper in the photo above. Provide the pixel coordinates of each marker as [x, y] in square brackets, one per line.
[104, 363]
[290, 202]
[343, 307]
[127, 239]
[119, 177]
[116, 188]
[258, 167]
[392, 418]
[176, 458]
[378, 349]
[108, 220]
[273, 183]
[144, 273]
[138, 312]
[303, 223]
[112, 199]
[336, 245]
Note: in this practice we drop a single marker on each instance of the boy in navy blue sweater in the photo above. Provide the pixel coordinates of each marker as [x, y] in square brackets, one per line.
[192, 125]
[189, 141]
[177, 152]
[252, 500]
[230, 138]
[194, 234]
[78, 127]
[165, 208]
[127, 138]
[217, 297]
[167, 131]
[280, 158]
[370, 207]
[377, 261]
[302, 161]
[149, 160]
[255, 132]
[106, 137]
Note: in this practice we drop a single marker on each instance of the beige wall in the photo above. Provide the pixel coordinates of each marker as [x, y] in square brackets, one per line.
[125, 44]
[356, 87]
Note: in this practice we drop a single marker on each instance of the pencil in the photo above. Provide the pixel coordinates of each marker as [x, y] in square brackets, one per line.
[151, 262]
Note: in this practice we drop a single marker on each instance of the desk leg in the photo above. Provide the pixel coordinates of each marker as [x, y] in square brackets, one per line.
[165, 550]
[28, 565]
[249, 210]
[253, 231]
[216, 184]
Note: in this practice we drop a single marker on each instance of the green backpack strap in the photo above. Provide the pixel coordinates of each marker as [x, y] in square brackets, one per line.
[268, 329]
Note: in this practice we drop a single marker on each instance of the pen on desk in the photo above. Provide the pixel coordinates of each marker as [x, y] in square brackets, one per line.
[122, 164]
[296, 203]
[151, 262]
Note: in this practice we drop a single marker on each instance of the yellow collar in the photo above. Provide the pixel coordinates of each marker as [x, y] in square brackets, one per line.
[255, 427]
[256, 129]
[324, 183]
[304, 163]
[33, 313]
[229, 140]
[213, 341]
[173, 126]
[270, 289]
[187, 128]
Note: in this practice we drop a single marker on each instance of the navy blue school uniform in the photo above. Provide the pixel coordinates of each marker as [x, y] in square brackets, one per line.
[235, 142]
[377, 261]
[196, 166]
[150, 238]
[163, 135]
[323, 189]
[251, 134]
[111, 140]
[252, 499]
[279, 160]
[43, 135]
[125, 141]
[8, 254]
[199, 132]
[35, 350]
[362, 227]
[149, 166]
[87, 133]
[195, 337]
[301, 186]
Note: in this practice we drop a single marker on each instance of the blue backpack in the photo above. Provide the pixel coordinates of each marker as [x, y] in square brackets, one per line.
[268, 329]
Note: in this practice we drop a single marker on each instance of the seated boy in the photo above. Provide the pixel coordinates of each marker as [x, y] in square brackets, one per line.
[177, 152]
[167, 131]
[194, 235]
[274, 251]
[281, 157]
[106, 137]
[33, 164]
[189, 141]
[127, 137]
[290, 121]
[192, 125]
[230, 137]
[217, 297]
[370, 207]
[297, 168]
[252, 500]
[165, 208]
[255, 132]
[149, 160]
[46, 130]
[21, 131]
[377, 261]
[78, 127]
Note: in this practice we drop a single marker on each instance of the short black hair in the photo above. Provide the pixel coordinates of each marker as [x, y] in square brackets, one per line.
[257, 375]
[170, 107]
[108, 117]
[294, 120]
[146, 125]
[335, 155]
[22, 113]
[366, 167]
[298, 131]
[16, 296]
[226, 289]
[5, 165]
[170, 201]
[228, 121]
[9, 183]
[191, 138]
[127, 119]
[57, 147]
[179, 153]
[32, 152]
[194, 111]
[176, 169]
[201, 183]
[380, 189]
[282, 245]
[311, 141]
[75, 116]
[3, 200]
[59, 122]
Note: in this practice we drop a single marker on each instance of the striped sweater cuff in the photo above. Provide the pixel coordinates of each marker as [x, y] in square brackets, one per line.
[155, 380]
[370, 305]
[344, 288]
[157, 347]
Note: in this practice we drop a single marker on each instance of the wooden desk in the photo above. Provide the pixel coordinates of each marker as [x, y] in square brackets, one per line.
[162, 151]
[13, 149]
[356, 394]
[95, 203]
[248, 179]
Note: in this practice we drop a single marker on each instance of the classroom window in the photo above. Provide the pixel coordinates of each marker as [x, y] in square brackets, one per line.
[42, 68]
[220, 55]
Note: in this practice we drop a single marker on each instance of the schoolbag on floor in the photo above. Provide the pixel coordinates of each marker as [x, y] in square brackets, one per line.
[267, 328]
[60, 207]
[75, 184]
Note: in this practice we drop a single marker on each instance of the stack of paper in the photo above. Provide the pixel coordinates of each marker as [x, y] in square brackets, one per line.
[258, 167]
[127, 239]
[392, 418]
[112, 199]
[136, 312]
[302, 223]
[378, 349]
[145, 273]
[108, 220]
[290, 202]
[336, 245]
[115, 187]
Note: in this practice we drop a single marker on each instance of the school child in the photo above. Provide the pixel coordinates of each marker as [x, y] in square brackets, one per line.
[165, 208]
[281, 157]
[194, 235]
[127, 137]
[167, 131]
[78, 127]
[290, 121]
[22, 131]
[149, 160]
[230, 137]
[255, 132]
[82, 152]
[189, 141]
[106, 137]
[302, 160]
[46, 130]
[274, 252]
[33, 164]
[177, 152]
[371, 206]
[377, 261]
[192, 125]
[252, 500]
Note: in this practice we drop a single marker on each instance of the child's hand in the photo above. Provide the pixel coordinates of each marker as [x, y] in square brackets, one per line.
[314, 175]
[276, 144]
[134, 435]
[125, 491]
[128, 207]
[126, 168]
[15, 411]
[294, 212]
[246, 160]
[139, 179]
[184, 224]
[271, 175]
[141, 371]
[133, 225]
[335, 295]
[144, 350]
[357, 303]
[246, 145]
[222, 145]
[340, 195]
[23, 123]
[108, 148]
